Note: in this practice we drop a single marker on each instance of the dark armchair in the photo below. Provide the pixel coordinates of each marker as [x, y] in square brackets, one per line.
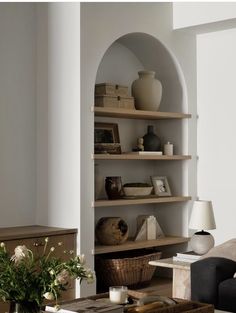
[212, 282]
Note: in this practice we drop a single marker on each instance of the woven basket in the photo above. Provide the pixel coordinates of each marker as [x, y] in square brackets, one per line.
[128, 271]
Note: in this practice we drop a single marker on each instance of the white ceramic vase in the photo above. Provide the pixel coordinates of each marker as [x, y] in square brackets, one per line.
[147, 91]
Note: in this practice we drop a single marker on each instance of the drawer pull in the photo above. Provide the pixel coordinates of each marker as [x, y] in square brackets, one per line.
[38, 244]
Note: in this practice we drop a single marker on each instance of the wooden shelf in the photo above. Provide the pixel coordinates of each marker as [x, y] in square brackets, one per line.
[130, 156]
[146, 200]
[137, 114]
[132, 245]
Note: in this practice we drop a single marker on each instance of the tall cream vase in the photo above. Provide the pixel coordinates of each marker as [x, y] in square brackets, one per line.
[147, 91]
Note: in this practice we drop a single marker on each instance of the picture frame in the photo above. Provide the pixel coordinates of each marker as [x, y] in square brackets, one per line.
[106, 138]
[161, 186]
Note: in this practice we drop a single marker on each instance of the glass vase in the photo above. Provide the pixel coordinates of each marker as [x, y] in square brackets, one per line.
[24, 307]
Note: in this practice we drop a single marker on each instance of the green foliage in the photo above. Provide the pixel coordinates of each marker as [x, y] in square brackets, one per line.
[25, 277]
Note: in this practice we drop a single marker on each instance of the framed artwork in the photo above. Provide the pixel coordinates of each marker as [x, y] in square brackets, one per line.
[161, 186]
[106, 138]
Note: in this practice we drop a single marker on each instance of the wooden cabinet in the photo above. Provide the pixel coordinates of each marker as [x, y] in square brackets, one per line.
[34, 238]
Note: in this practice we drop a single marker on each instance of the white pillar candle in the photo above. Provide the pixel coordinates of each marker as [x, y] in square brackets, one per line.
[118, 294]
[168, 148]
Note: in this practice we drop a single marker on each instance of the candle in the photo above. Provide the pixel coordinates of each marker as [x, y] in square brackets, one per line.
[118, 294]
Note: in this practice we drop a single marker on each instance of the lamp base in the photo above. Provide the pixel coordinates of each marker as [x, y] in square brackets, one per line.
[201, 242]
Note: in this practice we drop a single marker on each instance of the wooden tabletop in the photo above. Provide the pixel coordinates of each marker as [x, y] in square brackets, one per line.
[170, 263]
[32, 231]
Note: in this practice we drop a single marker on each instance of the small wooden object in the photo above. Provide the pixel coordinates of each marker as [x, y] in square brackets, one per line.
[106, 101]
[105, 89]
[111, 89]
[113, 101]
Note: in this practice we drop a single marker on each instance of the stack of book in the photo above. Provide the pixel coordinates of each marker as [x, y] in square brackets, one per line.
[188, 256]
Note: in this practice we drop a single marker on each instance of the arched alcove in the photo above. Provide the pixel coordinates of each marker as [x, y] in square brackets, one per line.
[120, 65]
[136, 51]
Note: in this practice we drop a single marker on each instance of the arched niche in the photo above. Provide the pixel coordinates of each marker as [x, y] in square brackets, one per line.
[136, 51]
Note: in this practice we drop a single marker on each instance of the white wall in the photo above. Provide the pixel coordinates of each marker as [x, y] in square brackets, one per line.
[17, 114]
[196, 13]
[216, 127]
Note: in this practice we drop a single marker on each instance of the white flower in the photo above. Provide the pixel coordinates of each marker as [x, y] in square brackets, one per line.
[21, 252]
[2, 244]
[52, 272]
[52, 249]
[46, 239]
[49, 296]
[90, 276]
[62, 277]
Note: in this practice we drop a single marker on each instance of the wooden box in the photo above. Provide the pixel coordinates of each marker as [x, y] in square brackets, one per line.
[106, 101]
[114, 102]
[121, 91]
[105, 89]
[126, 103]
[111, 89]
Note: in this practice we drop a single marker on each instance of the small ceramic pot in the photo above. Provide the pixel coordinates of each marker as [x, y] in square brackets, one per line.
[113, 186]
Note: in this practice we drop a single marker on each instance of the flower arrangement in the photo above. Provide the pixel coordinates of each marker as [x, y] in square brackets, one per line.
[29, 279]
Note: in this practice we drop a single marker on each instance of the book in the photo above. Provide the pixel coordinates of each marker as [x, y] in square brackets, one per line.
[102, 305]
[147, 152]
[178, 259]
[188, 255]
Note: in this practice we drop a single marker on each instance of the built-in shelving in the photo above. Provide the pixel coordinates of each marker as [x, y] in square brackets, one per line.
[137, 114]
[132, 245]
[137, 201]
[131, 156]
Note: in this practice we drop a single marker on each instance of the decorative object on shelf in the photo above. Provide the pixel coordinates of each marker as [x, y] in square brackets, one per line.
[147, 91]
[111, 231]
[168, 148]
[140, 145]
[115, 102]
[113, 96]
[118, 294]
[111, 89]
[202, 217]
[26, 280]
[106, 138]
[113, 187]
[126, 268]
[148, 228]
[151, 141]
[137, 189]
[161, 186]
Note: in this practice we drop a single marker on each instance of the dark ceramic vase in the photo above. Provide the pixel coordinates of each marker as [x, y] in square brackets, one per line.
[113, 186]
[151, 141]
[24, 307]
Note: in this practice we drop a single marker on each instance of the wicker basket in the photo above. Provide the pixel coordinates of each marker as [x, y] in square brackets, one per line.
[128, 271]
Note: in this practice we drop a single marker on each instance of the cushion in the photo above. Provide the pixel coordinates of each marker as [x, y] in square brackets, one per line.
[227, 298]
[226, 250]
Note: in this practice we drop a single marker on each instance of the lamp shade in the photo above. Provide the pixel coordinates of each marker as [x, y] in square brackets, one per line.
[202, 216]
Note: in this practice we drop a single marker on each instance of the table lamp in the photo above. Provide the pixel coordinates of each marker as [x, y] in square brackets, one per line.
[202, 218]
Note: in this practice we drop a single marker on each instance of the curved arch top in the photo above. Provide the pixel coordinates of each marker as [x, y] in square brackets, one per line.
[135, 51]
